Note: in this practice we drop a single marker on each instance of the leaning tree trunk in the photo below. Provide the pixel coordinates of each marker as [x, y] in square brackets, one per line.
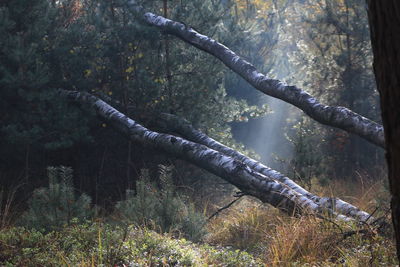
[184, 128]
[230, 169]
[169, 123]
[339, 117]
[231, 166]
[334, 116]
[384, 20]
[248, 175]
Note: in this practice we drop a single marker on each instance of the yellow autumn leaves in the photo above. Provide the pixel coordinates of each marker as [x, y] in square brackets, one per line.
[159, 80]
[259, 4]
[130, 69]
[130, 61]
[87, 73]
[262, 7]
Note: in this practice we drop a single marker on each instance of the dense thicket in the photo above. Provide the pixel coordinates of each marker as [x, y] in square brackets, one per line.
[322, 47]
[99, 47]
[105, 49]
[132, 76]
[332, 58]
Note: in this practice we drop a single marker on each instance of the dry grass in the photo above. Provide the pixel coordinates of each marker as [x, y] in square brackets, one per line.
[273, 238]
[7, 204]
[284, 241]
[367, 194]
[304, 240]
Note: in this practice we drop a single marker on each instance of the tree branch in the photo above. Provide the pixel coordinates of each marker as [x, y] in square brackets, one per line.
[226, 207]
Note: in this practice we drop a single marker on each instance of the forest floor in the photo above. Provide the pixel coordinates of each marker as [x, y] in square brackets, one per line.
[247, 234]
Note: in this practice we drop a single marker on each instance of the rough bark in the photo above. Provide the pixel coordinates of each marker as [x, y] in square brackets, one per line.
[170, 123]
[184, 128]
[384, 20]
[335, 116]
[233, 171]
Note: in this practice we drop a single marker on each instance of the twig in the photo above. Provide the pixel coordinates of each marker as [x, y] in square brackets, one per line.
[359, 231]
[238, 196]
[372, 214]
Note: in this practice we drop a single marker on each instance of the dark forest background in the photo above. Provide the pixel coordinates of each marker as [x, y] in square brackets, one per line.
[99, 47]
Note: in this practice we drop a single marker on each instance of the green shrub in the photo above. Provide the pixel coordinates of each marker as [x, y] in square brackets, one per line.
[99, 244]
[52, 207]
[163, 210]
[84, 245]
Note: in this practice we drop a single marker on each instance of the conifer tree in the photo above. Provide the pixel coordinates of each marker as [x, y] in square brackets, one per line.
[33, 118]
[57, 205]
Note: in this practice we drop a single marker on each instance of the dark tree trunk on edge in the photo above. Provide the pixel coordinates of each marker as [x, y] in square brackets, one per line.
[384, 20]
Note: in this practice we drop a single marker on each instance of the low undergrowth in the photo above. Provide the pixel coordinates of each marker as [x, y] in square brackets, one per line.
[280, 240]
[99, 244]
[249, 233]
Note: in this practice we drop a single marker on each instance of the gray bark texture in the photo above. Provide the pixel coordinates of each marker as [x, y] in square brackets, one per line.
[335, 116]
[254, 179]
[384, 21]
[173, 124]
[185, 129]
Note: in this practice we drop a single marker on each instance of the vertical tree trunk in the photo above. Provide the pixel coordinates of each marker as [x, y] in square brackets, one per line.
[167, 69]
[384, 20]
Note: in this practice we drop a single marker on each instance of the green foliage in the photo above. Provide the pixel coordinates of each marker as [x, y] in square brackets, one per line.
[306, 241]
[153, 249]
[162, 210]
[29, 107]
[56, 205]
[231, 257]
[101, 47]
[99, 244]
[330, 56]
[76, 244]
[308, 162]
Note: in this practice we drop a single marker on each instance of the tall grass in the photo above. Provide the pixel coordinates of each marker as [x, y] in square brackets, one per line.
[247, 234]
[280, 240]
[7, 205]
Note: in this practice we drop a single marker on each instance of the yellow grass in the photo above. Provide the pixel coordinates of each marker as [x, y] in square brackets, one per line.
[281, 240]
